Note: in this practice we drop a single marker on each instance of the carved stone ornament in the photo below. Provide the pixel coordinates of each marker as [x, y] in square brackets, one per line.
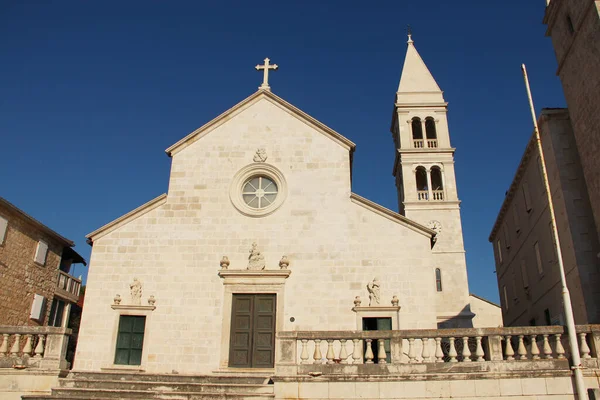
[261, 155]
[284, 263]
[374, 292]
[395, 301]
[225, 262]
[256, 261]
[136, 292]
[435, 226]
[117, 300]
[357, 301]
[151, 300]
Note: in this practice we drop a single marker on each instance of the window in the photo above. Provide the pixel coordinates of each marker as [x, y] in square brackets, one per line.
[3, 229]
[41, 252]
[506, 239]
[570, 26]
[417, 129]
[538, 258]
[130, 340]
[438, 279]
[421, 179]
[56, 313]
[259, 192]
[516, 219]
[499, 250]
[430, 131]
[547, 317]
[527, 198]
[37, 308]
[505, 295]
[524, 274]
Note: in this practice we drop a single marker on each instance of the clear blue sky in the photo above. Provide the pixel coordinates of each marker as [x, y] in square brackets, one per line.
[93, 92]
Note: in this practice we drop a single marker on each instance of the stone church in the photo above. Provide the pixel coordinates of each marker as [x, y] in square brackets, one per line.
[260, 233]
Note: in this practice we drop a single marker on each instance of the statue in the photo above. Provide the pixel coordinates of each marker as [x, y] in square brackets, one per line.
[136, 292]
[256, 261]
[374, 295]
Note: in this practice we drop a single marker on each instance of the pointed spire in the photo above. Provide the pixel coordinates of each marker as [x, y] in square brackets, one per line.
[416, 80]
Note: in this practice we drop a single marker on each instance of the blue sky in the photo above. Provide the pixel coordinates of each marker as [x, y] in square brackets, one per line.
[93, 92]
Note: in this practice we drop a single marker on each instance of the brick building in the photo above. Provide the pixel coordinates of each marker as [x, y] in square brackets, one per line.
[574, 26]
[35, 262]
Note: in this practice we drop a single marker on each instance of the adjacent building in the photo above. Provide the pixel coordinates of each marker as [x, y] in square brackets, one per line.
[36, 288]
[526, 260]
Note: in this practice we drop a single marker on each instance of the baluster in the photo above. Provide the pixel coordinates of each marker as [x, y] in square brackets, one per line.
[546, 348]
[452, 352]
[381, 356]
[4, 346]
[330, 354]
[560, 350]
[508, 351]
[439, 354]
[479, 353]
[412, 357]
[357, 352]
[425, 352]
[39, 348]
[584, 348]
[343, 353]
[317, 354]
[369, 353]
[535, 351]
[521, 350]
[304, 352]
[16, 347]
[28, 346]
[466, 352]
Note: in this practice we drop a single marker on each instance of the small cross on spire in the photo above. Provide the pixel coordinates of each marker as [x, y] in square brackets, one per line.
[409, 32]
[266, 67]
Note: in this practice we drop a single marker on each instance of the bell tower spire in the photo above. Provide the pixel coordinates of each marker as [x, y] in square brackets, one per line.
[424, 172]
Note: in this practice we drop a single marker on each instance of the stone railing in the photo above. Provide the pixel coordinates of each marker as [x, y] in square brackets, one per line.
[437, 195]
[422, 195]
[432, 143]
[418, 143]
[68, 286]
[338, 351]
[39, 347]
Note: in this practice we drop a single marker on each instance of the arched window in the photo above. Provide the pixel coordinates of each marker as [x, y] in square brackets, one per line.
[430, 128]
[417, 132]
[438, 279]
[437, 184]
[421, 178]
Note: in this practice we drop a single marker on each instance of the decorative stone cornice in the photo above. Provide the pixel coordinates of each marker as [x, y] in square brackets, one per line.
[268, 275]
[130, 307]
[377, 309]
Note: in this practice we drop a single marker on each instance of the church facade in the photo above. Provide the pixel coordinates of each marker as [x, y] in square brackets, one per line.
[260, 232]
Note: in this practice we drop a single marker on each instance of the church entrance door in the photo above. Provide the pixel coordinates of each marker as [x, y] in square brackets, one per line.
[252, 343]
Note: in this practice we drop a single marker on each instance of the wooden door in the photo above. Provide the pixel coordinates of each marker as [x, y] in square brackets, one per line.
[252, 342]
[130, 340]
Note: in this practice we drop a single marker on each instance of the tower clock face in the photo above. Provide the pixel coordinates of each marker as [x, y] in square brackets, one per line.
[435, 225]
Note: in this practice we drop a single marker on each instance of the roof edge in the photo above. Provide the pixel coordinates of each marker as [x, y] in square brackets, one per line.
[122, 220]
[37, 223]
[486, 300]
[391, 215]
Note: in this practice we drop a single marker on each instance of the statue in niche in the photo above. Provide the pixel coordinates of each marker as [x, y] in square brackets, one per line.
[136, 292]
[374, 292]
[256, 261]
[261, 155]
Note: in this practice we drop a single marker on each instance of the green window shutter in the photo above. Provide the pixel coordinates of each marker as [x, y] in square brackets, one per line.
[130, 340]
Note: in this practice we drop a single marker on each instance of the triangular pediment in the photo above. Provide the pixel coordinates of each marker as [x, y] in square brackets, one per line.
[248, 102]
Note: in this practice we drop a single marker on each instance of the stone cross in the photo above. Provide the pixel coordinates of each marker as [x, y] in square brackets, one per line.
[266, 67]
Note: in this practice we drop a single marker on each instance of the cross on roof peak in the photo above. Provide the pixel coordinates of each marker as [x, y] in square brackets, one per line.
[266, 67]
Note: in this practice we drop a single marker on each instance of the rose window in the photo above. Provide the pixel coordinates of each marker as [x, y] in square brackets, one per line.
[259, 192]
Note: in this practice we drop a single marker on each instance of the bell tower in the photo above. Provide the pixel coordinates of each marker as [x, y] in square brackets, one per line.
[424, 172]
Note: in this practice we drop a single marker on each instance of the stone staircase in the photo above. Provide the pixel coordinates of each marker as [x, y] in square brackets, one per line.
[133, 385]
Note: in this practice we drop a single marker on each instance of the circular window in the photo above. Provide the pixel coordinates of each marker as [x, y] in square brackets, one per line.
[258, 190]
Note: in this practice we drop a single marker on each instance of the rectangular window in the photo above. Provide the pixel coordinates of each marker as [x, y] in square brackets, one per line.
[499, 250]
[56, 313]
[538, 258]
[527, 198]
[505, 297]
[524, 274]
[130, 340]
[516, 219]
[438, 279]
[37, 308]
[3, 229]
[41, 252]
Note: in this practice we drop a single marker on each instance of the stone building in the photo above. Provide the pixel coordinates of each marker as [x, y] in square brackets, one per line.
[260, 232]
[526, 260]
[35, 261]
[574, 26]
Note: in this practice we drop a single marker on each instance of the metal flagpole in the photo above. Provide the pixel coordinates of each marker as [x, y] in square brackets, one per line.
[568, 307]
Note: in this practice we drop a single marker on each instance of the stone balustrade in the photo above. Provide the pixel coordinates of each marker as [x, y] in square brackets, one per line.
[437, 195]
[432, 143]
[422, 194]
[429, 349]
[40, 347]
[418, 143]
[68, 286]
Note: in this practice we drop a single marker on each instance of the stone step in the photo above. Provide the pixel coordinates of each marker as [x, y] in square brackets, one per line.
[166, 387]
[180, 378]
[109, 394]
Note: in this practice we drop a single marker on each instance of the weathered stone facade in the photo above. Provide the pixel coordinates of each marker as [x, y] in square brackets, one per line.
[574, 26]
[530, 289]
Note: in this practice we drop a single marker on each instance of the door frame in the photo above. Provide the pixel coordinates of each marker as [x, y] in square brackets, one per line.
[250, 282]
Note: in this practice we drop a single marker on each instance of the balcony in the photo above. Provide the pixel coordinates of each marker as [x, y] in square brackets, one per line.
[420, 143]
[68, 287]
